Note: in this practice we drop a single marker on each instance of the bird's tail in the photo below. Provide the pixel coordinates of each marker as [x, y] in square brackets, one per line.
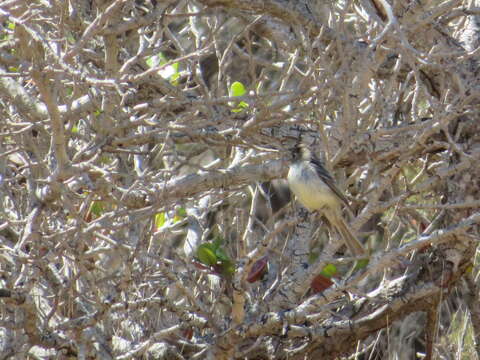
[353, 244]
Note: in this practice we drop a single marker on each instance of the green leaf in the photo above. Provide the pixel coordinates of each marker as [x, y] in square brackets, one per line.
[237, 89]
[182, 212]
[218, 241]
[241, 105]
[150, 61]
[156, 60]
[361, 264]
[160, 220]
[11, 25]
[227, 268]
[329, 270]
[97, 208]
[171, 72]
[221, 254]
[174, 79]
[206, 255]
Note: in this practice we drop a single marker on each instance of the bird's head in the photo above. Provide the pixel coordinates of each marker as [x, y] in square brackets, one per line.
[301, 152]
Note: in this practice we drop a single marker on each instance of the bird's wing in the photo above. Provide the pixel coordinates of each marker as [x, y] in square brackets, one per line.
[328, 179]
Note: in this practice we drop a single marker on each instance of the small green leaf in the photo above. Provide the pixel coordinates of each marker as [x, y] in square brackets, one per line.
[361, 264]
[227, 268]
[241, 105]
[174, 79]
[237, 89]
[160, 220]
[11, 25]
[152, 61]
[182, 212]
[329, 270]
[97, 208]
[170, 72]
[206, 255]
[221, 254]
[217, 242]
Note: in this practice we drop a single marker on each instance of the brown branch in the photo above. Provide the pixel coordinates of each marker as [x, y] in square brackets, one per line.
[58, 141]
[190, 185]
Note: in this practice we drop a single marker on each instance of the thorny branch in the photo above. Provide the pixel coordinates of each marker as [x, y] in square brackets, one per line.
[135, 133]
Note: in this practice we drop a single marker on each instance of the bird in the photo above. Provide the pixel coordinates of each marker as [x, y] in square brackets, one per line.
[316, 190]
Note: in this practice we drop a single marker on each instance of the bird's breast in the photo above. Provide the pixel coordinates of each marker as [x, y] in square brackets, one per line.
[309, 189]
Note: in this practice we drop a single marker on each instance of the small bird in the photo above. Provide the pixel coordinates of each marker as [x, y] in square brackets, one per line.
[315, 189]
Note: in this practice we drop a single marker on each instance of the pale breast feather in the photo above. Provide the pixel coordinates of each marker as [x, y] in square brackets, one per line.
[310, 190]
